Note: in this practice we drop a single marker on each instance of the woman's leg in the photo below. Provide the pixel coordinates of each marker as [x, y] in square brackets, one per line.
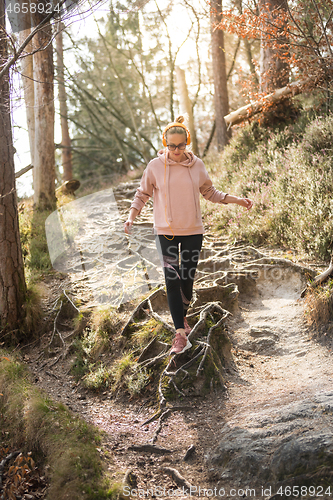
[169, 255]
[189, 252]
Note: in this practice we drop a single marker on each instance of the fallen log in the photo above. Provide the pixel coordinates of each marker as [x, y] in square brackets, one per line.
[246, 112]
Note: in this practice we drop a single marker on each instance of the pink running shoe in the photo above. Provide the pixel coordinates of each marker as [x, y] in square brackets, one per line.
[180, 344]
[187, 327]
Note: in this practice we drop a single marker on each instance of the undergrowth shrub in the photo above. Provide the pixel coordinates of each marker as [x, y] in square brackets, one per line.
[319, 305]
[289, 175]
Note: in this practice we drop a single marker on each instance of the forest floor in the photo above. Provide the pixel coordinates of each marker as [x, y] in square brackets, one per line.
[276, 407]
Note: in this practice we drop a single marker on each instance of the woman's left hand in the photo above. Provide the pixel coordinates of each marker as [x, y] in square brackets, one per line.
[245, 202]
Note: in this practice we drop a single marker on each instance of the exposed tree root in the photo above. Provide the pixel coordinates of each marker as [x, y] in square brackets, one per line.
[163, 417]
[57, 333]
[141, 307]
[203, 348]
[320, 278]
[150, 448]
[218, 276]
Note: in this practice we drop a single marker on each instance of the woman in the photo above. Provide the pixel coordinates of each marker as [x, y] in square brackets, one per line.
[176, 178]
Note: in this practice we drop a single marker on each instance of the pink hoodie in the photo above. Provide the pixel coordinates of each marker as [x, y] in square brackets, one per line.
[176, 188]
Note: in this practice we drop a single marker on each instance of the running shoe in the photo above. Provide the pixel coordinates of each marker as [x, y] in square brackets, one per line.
[180, 344]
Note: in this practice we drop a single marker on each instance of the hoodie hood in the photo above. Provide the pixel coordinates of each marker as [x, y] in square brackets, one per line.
[190, 158]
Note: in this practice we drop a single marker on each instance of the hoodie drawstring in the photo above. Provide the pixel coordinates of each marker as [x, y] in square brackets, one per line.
[167, 197]
[194, 196]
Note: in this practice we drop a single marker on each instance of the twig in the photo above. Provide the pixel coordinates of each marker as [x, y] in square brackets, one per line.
[148, 363]
[163, 416]
[19, 51]
[23, 171]
[171, 381]
[7, 194]
[323, 27]
[158, 318]
[61, 355]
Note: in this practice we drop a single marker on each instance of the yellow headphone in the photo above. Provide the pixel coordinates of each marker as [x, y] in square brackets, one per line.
[176, 124]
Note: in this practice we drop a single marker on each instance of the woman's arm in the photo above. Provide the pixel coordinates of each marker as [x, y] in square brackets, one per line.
[129, 223]
[209, 192]
[243, 202]
[142, 195]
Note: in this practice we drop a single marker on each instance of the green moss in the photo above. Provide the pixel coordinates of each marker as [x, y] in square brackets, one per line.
[142, 334]
[33, 422]
[33, 238]
[168, 391]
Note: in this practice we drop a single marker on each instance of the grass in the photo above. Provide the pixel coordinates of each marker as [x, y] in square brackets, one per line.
[32, 422]
[319, 304]
[106, 360]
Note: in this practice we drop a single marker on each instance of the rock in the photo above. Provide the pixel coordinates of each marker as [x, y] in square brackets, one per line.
[130, 478]
[272, 447]
[189, 452]
[262, 332]
[264, 344]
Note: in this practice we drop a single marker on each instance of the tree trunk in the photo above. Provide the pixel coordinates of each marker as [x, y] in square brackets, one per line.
[28, 86]
[274, 70]
[186, 107]
[248, 52]
[44, 196]
[66, 152]
[12, 282]
[221, 100]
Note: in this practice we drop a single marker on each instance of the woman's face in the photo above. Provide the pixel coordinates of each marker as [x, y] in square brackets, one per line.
[176, 140]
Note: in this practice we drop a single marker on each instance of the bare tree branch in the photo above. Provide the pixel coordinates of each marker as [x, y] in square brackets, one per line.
[19, 51]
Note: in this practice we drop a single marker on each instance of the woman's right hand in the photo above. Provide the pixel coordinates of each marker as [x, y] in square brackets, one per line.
[128, 226]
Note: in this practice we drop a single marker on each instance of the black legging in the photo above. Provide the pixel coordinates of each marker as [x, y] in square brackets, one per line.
[179, 278]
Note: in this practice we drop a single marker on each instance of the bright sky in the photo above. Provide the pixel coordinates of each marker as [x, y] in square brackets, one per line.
[178, 28]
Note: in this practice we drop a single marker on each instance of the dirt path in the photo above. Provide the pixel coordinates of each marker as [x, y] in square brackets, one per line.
[286, 362]
[273, 423]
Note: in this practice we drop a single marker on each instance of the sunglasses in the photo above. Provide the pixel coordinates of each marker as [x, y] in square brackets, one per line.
[173, 147]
